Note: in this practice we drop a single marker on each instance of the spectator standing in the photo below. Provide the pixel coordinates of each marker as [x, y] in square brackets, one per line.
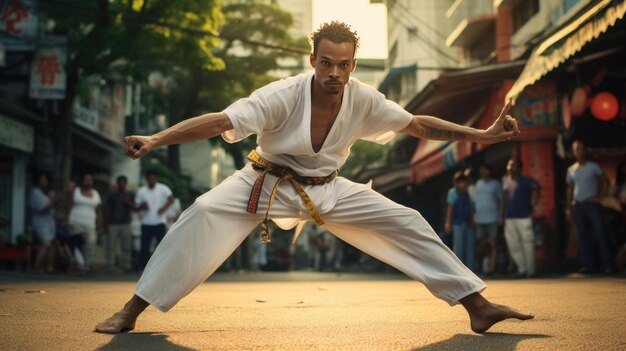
[459, 221]
[118, 215]
[152, 200]
[620, 184]
[520, 195]
[41, 203]
[585, 180]
[620, 193]
[85, 217]
[487, 216]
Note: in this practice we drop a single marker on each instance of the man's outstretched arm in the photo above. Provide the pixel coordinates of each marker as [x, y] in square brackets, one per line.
[427, 127]
[192, 129]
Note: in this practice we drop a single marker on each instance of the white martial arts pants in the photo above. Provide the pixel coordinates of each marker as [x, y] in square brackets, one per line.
[519, 236]
[214, 226]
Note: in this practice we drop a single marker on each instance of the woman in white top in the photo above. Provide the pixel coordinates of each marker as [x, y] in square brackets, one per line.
[85, 216]
[41, 203]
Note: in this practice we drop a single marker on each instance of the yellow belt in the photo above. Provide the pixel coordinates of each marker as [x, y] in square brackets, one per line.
[283, 173]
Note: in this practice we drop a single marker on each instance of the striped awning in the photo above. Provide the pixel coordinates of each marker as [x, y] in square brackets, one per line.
[566, 42]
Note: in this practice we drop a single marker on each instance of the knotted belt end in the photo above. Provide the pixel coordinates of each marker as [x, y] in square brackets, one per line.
[282, 173]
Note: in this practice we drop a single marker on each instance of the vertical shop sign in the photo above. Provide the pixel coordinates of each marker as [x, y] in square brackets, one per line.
[47, 75]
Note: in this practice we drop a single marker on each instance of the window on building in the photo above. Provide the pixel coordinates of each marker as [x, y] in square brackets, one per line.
[524, 11]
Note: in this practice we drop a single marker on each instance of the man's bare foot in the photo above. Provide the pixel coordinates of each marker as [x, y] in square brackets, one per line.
[484, 314]
[117, 323]
[483, 319]
[125, 319]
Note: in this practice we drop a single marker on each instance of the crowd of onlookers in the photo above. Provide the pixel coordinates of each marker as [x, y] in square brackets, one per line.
[489, 221]
[489, 225]
[66, 238]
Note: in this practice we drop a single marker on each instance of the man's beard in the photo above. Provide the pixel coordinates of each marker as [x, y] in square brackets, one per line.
[334, 88]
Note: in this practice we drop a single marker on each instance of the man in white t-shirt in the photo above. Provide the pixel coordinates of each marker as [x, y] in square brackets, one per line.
[305, 126]
[152, 201]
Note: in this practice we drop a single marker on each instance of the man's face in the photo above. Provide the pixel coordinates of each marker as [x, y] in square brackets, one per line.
[152, 179]
[87, 182]
[578, 149]
[333, 64]
[43, 182]
[121, 184]
[485, 173]
[512, 167]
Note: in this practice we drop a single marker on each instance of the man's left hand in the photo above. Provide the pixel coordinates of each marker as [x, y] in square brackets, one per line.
[504, 128]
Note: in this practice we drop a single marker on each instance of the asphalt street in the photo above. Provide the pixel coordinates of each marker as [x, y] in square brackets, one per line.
[310, 311]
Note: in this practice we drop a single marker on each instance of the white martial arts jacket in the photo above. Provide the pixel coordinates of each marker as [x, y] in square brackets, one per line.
[280, 115]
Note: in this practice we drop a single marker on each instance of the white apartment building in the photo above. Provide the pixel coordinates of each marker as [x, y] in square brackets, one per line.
[417, 32]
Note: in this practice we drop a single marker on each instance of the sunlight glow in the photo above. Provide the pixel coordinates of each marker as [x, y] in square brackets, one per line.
[369, 20]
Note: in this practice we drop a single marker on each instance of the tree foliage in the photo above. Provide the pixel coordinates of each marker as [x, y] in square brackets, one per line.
[210, 54]
[254, 37]
[126, 40]
[135, 37]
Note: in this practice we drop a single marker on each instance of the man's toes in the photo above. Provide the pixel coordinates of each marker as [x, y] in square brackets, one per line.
[110, 328]
[107, 329]
[524, 316]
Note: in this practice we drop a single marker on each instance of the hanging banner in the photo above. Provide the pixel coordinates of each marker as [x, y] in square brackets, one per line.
[18, 24]
[47, 74]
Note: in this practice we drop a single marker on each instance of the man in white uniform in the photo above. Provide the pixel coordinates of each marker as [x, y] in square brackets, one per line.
[305, 126]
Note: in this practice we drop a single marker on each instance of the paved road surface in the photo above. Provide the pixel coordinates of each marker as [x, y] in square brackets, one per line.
[310, 311]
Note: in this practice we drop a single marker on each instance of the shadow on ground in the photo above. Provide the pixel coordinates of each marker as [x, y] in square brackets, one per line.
[486, 341]
[142, 341]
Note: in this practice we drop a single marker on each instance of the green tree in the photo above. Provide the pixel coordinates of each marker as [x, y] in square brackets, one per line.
[254, 37]
[126, 38]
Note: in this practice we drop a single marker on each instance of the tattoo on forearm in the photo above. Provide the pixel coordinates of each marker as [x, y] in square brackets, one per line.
[435, 133]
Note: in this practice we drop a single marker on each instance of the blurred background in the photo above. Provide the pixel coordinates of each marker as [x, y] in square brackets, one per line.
[76, 76]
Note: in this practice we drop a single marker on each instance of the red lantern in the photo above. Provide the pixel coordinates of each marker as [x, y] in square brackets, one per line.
[604, 106]
[579, 101]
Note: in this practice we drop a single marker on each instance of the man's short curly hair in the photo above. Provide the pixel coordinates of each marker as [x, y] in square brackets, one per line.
[335, 31]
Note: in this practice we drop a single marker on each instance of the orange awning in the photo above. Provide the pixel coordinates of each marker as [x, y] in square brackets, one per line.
[567, 41]
[469, 97]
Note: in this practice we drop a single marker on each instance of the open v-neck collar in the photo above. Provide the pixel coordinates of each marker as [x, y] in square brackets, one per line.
[307, 115]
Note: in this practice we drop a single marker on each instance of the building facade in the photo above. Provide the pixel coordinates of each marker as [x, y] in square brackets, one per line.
[538, 54]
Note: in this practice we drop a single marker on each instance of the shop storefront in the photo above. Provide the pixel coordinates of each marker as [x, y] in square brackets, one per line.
[579, 70]
[16, 144]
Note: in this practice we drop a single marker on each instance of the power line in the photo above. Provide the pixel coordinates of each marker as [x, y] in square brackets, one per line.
[428, 44]
[408, 12]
